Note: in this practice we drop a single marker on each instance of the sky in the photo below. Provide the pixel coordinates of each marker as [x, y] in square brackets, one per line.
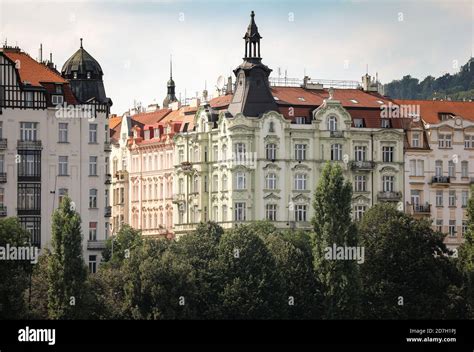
[133, 40]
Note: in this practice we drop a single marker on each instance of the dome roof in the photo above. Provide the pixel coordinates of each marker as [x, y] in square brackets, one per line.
[81, 63]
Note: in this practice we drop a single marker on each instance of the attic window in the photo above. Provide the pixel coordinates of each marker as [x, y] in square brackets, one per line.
[88, 75]
[300, 120]
[445, 116]
[301, 99]
[59, 89]
[385, 123]
[358, 123]
[74, 75]
[354, 101]
[147, 134]
[157, 133]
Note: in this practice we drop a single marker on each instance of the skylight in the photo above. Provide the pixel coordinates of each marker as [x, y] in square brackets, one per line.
[301, 99]
[354, 101]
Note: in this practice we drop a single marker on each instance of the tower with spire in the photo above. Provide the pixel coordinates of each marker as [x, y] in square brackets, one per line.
[171, 96]
[252, 96]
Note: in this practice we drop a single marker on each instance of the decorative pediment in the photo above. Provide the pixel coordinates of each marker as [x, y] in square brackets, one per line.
[271, 196]
[389, 169]
[301, 167]
[272, 166]
[361, 200]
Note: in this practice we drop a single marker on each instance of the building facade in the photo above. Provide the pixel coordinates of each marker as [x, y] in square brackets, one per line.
[258, 152]
[439, 162]
[54, 142]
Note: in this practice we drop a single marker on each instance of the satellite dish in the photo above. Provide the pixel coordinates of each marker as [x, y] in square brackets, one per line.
[220, 81]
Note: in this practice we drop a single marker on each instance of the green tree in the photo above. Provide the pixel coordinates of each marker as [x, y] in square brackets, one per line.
[67, 272]
[333, 226]
[407, 273]
[466, 258]
[251, 287]
[122, 243]
[37, 299]
[14, 273]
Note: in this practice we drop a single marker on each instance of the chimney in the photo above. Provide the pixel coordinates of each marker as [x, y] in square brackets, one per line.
[195, 102]
[229, 85]
[40, 59]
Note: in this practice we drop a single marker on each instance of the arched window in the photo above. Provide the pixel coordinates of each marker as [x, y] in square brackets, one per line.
[224, 182]
[332, 123]
[271, 127]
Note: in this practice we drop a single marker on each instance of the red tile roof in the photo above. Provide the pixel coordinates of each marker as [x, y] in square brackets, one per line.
[220, 102]
[32, 71]
[114, 121]
[150, 118]
[430, 109]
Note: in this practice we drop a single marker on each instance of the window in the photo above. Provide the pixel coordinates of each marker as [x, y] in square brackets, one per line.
[360, 183]
[92, 231]
[92, 264]
[271, 212]
[92, 166]
[180, 156]
[215, 183]
[464, 198]
[464, 169]
[2, 197]
[439, 198]
[29, 99]
[336, 152]
[300, 212]
[239, 211]
[63, 165]
[93, 198]
[385, 123]
[415, 140]
[271, 126]
[300, 152]
[205, 184]
[93, 133]
[205, 154]
[240, 180]
[417, 167]
[359, 123]
[439, 225]
[57, 99]
[359, 211]
[332, 123]
[387, 154]
[360, 153]
[451, 169]
[1, 129]
[62, 192]
[195, 185]
[29, 196]
[452, 199]
[271, 151]
[2, 163]
[452, 228]
[240, 152]
[62, 138]
[464, 228]
[215, 213]
[300, 182]
[224, 182]
[444, 141]
[28, 131]
[415, 197]
[300, 120]
[271, 181]
[224, 153]
[387, 182]
[224, 213]
[216, 153]
[122, 195]
[468, 141]
[438, 168]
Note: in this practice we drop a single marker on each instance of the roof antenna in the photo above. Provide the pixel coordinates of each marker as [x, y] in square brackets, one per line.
[81, 43]
[171, 66]
[367, 69]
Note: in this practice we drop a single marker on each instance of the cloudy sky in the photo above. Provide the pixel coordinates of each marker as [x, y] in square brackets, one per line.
[132, 40]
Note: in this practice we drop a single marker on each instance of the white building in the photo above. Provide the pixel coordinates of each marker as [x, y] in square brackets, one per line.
[54, 141]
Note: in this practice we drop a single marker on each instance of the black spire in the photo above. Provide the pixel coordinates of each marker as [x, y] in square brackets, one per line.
[252, 96]
[171, 97]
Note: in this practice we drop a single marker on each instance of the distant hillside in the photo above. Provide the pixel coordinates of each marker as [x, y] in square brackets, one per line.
[459, 86]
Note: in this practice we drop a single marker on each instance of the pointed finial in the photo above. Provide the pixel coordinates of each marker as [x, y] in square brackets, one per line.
[81, 43]
[252, 14]
[171, 66]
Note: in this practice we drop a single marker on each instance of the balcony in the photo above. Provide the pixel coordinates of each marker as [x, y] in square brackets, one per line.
[187, 167]
[3, 143]
[422, 209]
[107, 147]
[3, 177]
[30, 145]
[3, 211]
[440, 180]
[178, 198]
[336, 134]
[108, 179]
[389, 196]
[96, 245]
[108, 211]
[362, 165]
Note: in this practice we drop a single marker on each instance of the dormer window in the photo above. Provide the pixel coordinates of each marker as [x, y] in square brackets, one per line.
[300, 120]
[157, 133]
[88, 75]
[445, 116]
[74, 75]
[415, 140]
[332, 123]
[58, 89]
[147, 134]
[385, 123]
[359, 123]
